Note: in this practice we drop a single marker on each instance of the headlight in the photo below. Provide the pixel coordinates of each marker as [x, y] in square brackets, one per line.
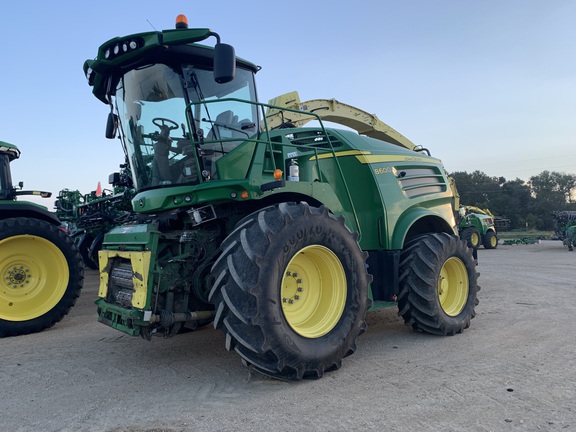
[122, 47]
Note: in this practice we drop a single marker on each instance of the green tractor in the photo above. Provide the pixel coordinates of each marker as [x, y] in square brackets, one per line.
[565, 230]
[88, 217]
[477, 227]
[282, 236]
[41, 270]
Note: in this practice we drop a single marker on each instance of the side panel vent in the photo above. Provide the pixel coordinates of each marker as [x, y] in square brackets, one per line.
[420, 181]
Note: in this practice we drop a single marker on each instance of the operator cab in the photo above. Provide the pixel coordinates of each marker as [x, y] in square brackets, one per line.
[168, 115]
[180, 106]
[5, 178]
[8, 153]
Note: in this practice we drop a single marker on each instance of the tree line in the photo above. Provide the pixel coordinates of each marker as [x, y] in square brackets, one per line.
[526, 204]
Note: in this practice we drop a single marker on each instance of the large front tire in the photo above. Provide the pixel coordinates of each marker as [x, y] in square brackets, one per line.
[41, 275]
[490, 240]
[438, 284]
[84, 245]
[291, 291]
[472, 237]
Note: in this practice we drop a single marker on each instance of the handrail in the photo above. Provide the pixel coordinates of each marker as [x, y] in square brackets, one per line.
[263, 128]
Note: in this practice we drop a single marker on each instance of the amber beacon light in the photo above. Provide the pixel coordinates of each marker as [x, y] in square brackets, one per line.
[181, 22]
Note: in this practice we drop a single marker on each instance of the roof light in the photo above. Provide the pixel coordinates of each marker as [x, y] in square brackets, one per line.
[89, 75]
[181, 22]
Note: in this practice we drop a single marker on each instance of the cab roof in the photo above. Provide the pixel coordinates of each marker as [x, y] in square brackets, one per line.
[10, 149]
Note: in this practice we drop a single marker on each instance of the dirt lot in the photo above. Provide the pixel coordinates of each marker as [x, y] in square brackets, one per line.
[513, 370]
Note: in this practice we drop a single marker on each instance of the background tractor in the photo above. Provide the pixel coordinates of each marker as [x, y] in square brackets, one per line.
[88, 217]
[565, 227]
[282, 236]
[41, 270]
[477, 227]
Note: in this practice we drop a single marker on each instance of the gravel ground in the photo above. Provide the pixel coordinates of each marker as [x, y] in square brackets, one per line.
[514, 369]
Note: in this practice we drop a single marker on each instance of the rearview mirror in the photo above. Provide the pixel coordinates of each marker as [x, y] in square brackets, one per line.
[111, 126]
[224, 63]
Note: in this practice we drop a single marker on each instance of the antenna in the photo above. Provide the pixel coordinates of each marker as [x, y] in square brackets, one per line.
[151, 25]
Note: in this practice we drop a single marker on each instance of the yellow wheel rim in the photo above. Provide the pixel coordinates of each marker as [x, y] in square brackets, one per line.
[313, 291]
[453, 286]
[34, 277]
[475, 239]
[493, 241]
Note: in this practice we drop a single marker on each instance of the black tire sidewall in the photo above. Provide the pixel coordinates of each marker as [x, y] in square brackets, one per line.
[84, 244]
[488, 240]
[468, 234]
[458, 249]
[296, 235]
[422, 272]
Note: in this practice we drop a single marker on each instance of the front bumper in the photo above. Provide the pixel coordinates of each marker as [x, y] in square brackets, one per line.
[124, 291]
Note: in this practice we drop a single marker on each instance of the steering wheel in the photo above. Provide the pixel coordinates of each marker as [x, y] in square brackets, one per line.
[163, 123]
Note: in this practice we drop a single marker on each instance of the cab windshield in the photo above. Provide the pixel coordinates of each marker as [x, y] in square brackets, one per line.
[161, 144]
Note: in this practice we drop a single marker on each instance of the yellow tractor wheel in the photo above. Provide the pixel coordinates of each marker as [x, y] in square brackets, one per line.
[313, 291]
[41, 275]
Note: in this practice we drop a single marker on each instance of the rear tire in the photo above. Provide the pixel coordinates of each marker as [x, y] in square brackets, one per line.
[84, 246]
[291, 291]
[472, 237]
[490, 240]
[41, 275]
[438, 284]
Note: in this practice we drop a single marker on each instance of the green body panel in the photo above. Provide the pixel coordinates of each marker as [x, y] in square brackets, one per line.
[136, 237]
[391, 188]
[6, 205]
[127, 321]
[184, 196]
[237, 164]
[428, 213]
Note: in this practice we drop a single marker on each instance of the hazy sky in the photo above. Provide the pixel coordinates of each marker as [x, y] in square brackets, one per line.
[484, 85]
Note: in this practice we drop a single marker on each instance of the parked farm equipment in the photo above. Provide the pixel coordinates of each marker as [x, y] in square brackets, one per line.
[282, 236]
[477, 227]
[566, 228]
[88, 217]
[41, 270]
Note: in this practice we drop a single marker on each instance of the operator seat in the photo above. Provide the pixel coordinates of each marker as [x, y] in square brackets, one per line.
[221, 130]
[221, 127]
[225, 127]
[247, 128]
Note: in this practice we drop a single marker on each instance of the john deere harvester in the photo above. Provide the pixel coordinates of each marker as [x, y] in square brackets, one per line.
[477, 227]
[282, 236]
[41, 272]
